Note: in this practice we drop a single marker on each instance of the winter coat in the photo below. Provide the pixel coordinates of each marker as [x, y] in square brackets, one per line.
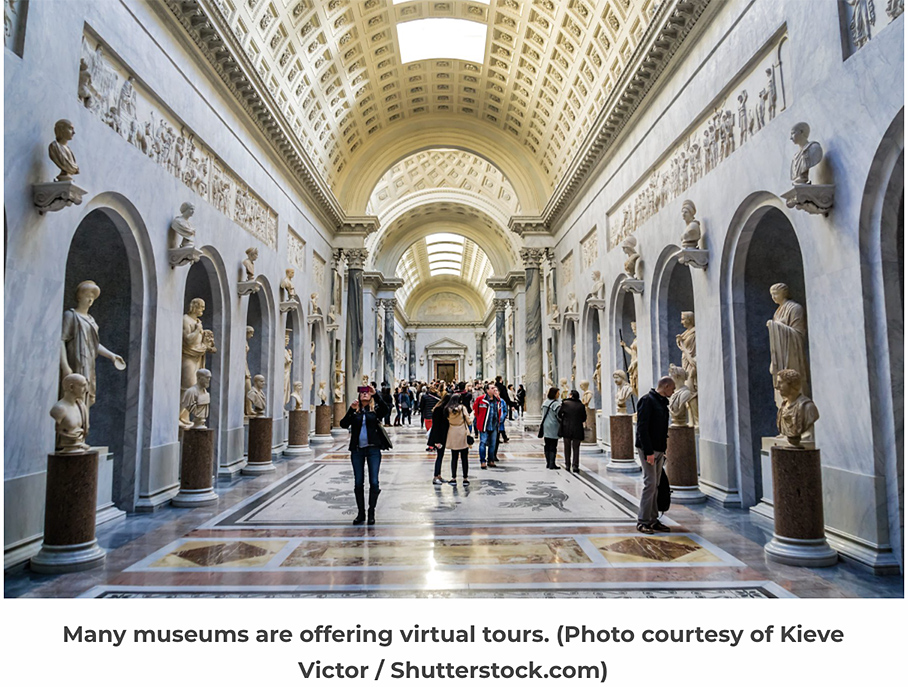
[483, 407]
[458, 428]
[353, 421]
[573, 416]
[550, 423]
[652, 423]
[427, 403]
[439, 432]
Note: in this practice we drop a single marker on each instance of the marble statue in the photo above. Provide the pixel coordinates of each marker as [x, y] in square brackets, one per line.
[809, 154]
[196, 401]
[633, 265]
[788, 337]
[339, 391]
[250, 332]
[255, 399]
[797, 413]
[553, 315]
[692, 232]
[183, 233]
[632, 365]
[679, 405]
[565, 390]
[586, 396]
[687, 343]
[572, 308]
[422, 360]
[297, 396]
[331, 322]
[287, 284]
[598, 292]
[59, 151]
[863, 16]
[70, 415]
[82, 343]
[314, 309]
[323, 392]
[597, 373]
[197, 343]
[252, 254]
[288, 366]
[623, 391]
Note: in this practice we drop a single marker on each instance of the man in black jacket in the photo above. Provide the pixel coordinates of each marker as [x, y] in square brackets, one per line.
[652, 438]
[503, 393]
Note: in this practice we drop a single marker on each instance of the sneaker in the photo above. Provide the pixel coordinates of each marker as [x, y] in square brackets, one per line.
[438, 480]
[645, 529]
[493, 463]
[466, 481]
[482, 466]
[453, 481]
[659, 527]
[576, 469]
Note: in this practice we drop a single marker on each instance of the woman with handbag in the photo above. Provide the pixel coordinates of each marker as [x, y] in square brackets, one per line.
[438, 435]
[459, 438]
[548, 429]
[572, 416]
[367, 440]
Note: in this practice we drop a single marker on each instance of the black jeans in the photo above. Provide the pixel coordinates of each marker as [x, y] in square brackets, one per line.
[439, 457]
[405, 415]
[572, 445]
[551, 450]
[462, 453]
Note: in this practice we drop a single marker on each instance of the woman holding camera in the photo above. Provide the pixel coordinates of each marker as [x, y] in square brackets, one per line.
[367, 441]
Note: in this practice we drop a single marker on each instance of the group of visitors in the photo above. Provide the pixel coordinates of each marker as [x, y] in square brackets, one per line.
[565, 420]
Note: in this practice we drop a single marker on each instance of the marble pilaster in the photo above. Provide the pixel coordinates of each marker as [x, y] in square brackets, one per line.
[479, 371]
[532, 258]
[411, 356]
[390, 343]
[356, 259]
[500, 337]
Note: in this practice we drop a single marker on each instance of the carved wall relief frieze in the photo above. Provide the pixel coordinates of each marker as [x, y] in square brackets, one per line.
[738, 114]
[111, 91]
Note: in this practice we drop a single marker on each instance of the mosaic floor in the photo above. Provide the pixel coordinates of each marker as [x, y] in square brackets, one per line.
[517, 530]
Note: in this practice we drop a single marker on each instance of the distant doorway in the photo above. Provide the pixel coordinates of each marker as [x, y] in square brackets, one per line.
[445, 371]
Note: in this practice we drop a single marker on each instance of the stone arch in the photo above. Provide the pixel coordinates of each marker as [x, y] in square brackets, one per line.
[206, 279]
[761, 248]
[882, 233]
[110, 246]
[592, 347]
[672, 294]
[260, 360]
[622, 314]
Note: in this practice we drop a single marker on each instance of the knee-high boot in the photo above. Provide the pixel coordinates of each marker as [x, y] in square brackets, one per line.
[360, 494]
[373, 499]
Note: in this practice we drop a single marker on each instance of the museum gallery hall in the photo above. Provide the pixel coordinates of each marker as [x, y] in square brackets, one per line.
[376, 298]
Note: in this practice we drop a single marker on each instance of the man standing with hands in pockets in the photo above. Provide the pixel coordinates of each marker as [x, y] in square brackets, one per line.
[652, 438]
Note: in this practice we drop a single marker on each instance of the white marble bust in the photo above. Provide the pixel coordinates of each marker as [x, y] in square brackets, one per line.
[252, 254]
[59, 151]
[809, 154]
[184, 233]
[798, 413]
[296, 398]
[623, 391]
[323, 392]
[287, 284]
[598, 292]
[681, 398]
[633, 265]
[586, 396]
[692, 232]
[572, 306]
[255, 399]
[314, 308]
[70, 415]
[196, 401]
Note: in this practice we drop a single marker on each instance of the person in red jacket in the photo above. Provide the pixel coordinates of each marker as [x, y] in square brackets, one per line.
[490, 412]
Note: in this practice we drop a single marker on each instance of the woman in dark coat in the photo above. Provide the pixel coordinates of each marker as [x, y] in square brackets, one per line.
[438, 435]
[572, 416]
[367, 441]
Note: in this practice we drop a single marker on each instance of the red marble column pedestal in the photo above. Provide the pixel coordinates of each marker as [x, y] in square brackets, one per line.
[799, 532]
[681, 465]
[258, 460]
[298, 442]
[69, 515]
[196, 469]
[621, 431]
[323, 425]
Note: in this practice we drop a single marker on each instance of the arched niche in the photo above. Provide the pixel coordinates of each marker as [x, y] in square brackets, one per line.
[294, 327]
[623, 318]
[316, 361]
[259, 316]
[673, 293]
[882, 242]
[762, 250]
[108, 248]
[205, 280]
[593, 347]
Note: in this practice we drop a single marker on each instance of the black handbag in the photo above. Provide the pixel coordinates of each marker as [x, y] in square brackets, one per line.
[664, 493]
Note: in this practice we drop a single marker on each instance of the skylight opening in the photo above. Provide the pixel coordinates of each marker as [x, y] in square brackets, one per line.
[442, 38]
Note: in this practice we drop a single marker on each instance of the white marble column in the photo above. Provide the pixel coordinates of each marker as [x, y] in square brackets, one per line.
[390, 342]
[411, 356]
[532, 259]
[356, 259]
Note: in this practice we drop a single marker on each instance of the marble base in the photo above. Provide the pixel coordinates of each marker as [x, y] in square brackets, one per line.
[632, 285]
[298, 439]
[318, 440]
[184, 255]
[196, 470]
[681, 465]
[589, 430]
[71, 494]
[246, 288]
[56, 195]
[817, 199]
[287, 306]
[694, 257]
[340, 409]
[799, 536]
[621, 432]
[259, 460]
[323, 415]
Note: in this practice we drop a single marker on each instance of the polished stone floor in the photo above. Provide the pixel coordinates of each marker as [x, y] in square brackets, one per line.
[517, 530]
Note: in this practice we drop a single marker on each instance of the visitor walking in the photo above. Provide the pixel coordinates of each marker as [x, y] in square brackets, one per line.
[367, 441]
[521, 400]
[458, 418]
[404, 402]
[438, 435]
[549, 428]
[503, 395]
[652, 438]
[572, 416]
[490, 413]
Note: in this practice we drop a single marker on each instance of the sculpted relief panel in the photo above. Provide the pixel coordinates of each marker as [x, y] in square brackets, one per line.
[736, 116]
[589, 250]
[110, 91]
[296, 250]
[445, 307]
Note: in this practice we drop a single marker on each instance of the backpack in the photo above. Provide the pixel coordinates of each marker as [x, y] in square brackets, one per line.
[664, 494]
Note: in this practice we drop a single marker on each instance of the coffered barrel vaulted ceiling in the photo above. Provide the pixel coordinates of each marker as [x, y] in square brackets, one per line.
[328, 83]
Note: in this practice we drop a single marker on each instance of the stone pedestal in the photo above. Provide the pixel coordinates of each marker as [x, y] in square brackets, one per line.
[340, 410]
[681, 466]
[323, 425]
[799, 532]
[69, 515]
[589, 431]
[196, 470]
[259, 459]
[298, 440]
[56, 195]
[621, 431]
